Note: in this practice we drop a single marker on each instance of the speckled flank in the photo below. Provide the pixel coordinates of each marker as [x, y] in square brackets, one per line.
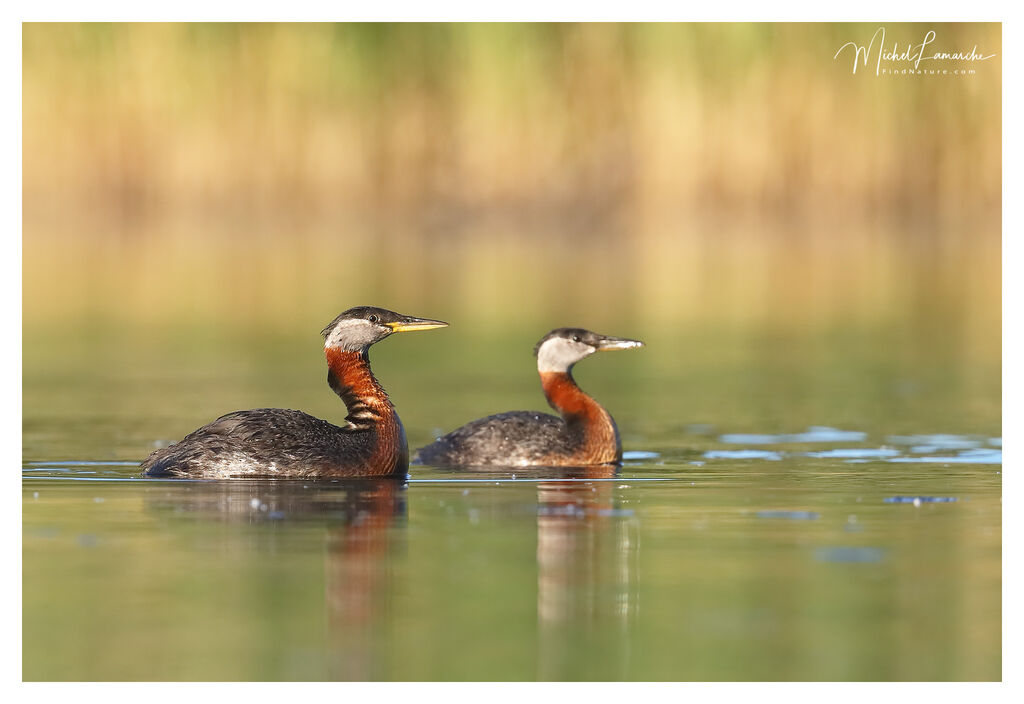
[584, 435]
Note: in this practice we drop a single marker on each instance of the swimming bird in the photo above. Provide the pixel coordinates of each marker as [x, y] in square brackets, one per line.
[276, 442]
[585, 434]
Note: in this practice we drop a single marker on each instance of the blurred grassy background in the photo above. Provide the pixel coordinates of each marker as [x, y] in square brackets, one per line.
[675, 171]
[695, 182]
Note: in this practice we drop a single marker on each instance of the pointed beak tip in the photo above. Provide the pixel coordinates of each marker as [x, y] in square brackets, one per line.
[621, 344]
[417, 324]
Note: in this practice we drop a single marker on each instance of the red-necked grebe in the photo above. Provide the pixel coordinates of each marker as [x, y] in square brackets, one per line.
[586, 434]
[275, 442]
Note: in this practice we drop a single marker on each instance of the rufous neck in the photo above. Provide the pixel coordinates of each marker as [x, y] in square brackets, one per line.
[567, 398]
[349, 374]
[586, 420]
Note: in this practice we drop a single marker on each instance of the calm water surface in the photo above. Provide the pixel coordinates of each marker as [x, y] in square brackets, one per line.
[841, 520]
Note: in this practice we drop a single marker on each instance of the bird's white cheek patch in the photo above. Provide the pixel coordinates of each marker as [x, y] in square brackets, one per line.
[350, 334]
[558, 354]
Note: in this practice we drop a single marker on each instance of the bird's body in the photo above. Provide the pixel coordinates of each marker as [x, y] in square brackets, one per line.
[585, 434]
[282, 443]
[514, 439]
[274, 442]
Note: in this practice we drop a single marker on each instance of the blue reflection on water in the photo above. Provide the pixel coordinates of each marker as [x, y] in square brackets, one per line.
[640, 455]
[935, 442]
[980, 456]
[867, 452]
[918, 500]
[816, 433]
[849, 554]
[790, 515]
[742, 455]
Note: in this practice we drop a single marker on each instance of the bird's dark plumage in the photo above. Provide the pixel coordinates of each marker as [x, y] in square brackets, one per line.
[515, 438]
[266, 442]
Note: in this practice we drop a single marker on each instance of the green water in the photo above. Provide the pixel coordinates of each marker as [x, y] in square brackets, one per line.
[733, 544]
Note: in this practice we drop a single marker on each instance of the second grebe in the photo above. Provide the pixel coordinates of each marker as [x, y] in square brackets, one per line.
[276, 442]
[586, 434]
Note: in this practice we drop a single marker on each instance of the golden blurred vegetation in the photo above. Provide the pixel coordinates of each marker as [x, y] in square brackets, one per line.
[719, 174]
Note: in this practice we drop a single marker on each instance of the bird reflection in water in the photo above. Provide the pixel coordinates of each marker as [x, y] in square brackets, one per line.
[358, 575]
[359, 517]
[587, 550]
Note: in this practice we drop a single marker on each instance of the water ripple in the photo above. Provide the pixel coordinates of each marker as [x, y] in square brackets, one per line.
[866, 452]
[640, 455]
[742, 455]
[849, 554]
[980, 456]
[790, 515]
[918, 500]
[815, 433]
[931, 443]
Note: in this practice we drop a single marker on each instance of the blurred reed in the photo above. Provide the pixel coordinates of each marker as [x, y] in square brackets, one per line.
[719, 174]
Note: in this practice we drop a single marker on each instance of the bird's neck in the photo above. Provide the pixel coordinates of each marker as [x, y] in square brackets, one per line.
[582, 414]
[349, 374]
